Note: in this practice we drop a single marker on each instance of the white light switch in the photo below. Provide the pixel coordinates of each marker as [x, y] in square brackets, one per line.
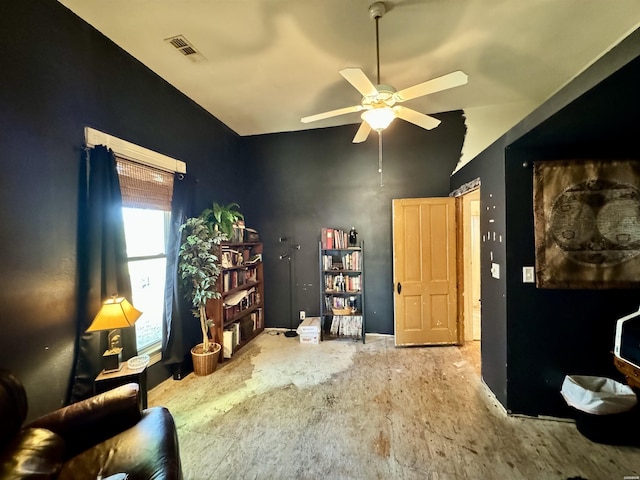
[528, 275]
[495, 270]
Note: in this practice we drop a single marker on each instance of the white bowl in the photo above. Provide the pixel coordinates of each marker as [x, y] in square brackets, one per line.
[134, 363]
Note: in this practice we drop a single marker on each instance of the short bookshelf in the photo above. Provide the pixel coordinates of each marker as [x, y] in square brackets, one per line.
[341, 287]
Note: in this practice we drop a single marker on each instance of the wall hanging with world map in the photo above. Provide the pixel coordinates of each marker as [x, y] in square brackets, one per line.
[587, 223]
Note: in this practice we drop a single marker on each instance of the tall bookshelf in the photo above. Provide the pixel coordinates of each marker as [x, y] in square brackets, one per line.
[239, 314]
[341, 287]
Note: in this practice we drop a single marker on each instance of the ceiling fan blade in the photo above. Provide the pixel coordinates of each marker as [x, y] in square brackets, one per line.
[360, 81]
[331, 113]
[450, 80]
[417, 118]
[362, 133]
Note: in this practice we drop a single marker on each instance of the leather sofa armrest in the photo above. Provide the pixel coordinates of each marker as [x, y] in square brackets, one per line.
[91, 421]
[32, 453]
[147, 451]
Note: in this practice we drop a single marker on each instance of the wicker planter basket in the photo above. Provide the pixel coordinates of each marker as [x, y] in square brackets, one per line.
[341, 311]
[205, 363]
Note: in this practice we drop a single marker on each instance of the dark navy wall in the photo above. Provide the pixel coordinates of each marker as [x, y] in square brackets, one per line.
[555, 332]
[58, 76]
[489, 167]
[312, 179]
[532, 338]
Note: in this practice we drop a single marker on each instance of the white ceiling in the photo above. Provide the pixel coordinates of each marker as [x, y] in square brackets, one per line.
[267, 63]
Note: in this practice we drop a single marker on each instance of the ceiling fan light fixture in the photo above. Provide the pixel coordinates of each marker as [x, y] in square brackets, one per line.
[379, 118]
[379, 102]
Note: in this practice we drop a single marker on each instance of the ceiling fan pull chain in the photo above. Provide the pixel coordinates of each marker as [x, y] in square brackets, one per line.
[380, 157]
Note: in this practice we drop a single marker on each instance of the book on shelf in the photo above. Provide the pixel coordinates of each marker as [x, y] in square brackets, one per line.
[351, 261]
[251, 275]
[227, 342]
[259, 318]
[329, 238]
[351, 283]
[345, 261]
[335, 326]
[236, 334]
[251, 235]
[334, 238]
[236, 278]
[346, 326]
[230, 258]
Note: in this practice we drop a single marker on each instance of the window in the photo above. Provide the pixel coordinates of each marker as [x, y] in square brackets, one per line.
[146, 182]
[145, 232]
[146, 211]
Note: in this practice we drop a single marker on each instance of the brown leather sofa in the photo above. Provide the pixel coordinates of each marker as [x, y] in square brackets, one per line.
[106, 435]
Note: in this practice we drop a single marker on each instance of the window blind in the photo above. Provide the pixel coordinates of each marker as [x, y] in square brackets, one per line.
[143, 186]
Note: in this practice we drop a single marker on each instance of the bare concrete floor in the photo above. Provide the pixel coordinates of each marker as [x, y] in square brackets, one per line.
[344, 410]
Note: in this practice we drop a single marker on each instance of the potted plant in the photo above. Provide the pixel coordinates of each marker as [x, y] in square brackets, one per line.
[199, 270]
[223, 218]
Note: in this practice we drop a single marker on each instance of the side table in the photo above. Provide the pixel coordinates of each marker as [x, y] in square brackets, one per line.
[107, 381]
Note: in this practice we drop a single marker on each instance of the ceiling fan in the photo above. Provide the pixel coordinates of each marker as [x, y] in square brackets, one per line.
[379, 102]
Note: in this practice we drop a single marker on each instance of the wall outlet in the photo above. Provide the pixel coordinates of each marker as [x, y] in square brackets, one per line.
[303, 315]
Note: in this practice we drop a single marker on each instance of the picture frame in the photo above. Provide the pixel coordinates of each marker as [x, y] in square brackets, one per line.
[587, 223]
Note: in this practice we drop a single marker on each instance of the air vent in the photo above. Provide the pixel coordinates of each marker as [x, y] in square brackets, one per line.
[181, 44]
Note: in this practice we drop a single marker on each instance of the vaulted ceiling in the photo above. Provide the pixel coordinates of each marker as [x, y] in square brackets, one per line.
[263, 64]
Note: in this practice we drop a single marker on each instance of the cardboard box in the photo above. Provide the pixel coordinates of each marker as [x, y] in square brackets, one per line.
[310, 339]
[309, 326]
[309, 330]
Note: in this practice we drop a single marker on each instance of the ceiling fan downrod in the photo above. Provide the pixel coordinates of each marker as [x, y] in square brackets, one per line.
[376, 11]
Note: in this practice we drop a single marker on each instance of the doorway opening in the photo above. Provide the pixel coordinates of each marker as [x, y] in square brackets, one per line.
[471, 277]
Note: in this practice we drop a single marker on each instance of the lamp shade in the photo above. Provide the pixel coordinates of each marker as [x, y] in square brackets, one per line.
[115, 313]
[379, 118]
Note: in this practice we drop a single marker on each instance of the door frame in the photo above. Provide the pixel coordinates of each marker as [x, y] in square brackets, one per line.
[461, 237]
[464, 272]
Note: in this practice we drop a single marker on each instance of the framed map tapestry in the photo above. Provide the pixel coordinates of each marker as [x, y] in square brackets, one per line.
[587, 223]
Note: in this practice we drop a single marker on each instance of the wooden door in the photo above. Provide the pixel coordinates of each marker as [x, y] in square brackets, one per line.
[424, 271]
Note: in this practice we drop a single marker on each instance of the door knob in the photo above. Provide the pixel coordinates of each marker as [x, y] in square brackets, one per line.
[399, 288]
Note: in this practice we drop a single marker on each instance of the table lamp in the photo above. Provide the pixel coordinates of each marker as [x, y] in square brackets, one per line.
[115, 313]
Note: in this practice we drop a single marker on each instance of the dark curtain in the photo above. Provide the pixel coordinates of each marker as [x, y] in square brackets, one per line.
[102, 265]
[180, 330]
